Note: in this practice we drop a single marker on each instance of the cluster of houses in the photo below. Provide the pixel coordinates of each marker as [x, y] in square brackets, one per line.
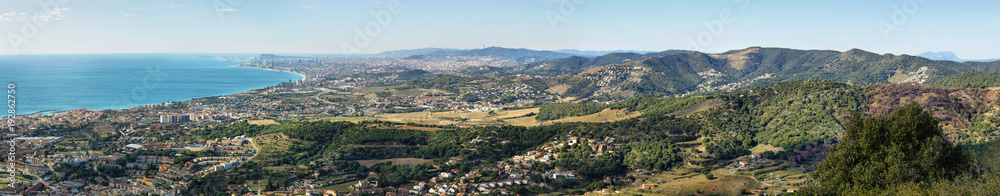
[229, 146]
[451, 183]
[351, 82]
[713, 78]
[747, 163]
[36, 143]
[608, 79]
[443, 102]
[145, 174]
[547, 152]
[512, 172]
[522, 94]
[72, 117]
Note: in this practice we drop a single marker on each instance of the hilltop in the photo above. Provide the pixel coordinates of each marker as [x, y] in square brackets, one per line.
[620, 75]
[943, 55]
[949, 56]
[411, 52]
[593, 53]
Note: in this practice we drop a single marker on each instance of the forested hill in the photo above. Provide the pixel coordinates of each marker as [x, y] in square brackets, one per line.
[620, 75]
[576, 64]
[855, 66]
[974, 78]
[569, 65]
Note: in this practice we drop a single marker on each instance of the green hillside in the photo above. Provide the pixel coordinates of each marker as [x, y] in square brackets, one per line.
[974, 78]
[799, 120]
[619, 76]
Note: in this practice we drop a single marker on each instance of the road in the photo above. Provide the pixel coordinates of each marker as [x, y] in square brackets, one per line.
[256, 151]
[325, 91]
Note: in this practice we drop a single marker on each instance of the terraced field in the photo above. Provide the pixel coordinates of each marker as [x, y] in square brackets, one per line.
[396, 161]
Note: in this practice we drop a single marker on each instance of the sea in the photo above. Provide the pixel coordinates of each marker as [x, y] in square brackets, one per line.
[55, 83]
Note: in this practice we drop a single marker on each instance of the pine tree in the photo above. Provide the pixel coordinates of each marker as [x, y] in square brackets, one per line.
[876, 152]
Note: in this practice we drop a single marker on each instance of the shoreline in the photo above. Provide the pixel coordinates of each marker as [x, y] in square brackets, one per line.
[304, 77]
[58, 111]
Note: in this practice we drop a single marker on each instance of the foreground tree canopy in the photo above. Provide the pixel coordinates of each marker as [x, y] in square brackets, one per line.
[906, 146]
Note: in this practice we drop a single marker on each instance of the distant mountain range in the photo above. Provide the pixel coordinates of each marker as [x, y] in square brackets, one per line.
[519, 54]
[273, 56]
[619, 75]
[540, 55]
[949, 56]
[675, 72]
[593, 53]
[507, 57]
[583, 53]
[577, 64]
[411, 52]
[945, 55]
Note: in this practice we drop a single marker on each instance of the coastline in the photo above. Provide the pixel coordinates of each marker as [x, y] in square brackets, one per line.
[304, 77]
[49, 112]
[240, 64]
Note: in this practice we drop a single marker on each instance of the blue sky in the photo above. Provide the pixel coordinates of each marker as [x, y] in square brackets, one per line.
[969, 28]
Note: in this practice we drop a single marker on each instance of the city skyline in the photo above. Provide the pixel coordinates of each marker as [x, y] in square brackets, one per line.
[321, 27]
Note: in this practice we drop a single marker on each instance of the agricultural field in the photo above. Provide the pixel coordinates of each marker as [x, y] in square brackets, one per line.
[559, 89]
[898, 77]
[607, 115]
[760, 148]
[418, 128]
[457, 117]
[520, 117]
[689, 183]
[395, 161]
[262, 122]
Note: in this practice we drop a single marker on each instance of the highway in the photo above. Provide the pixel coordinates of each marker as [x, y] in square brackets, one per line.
[325, 91]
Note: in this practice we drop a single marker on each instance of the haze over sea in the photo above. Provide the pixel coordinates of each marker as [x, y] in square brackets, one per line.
[112, 81]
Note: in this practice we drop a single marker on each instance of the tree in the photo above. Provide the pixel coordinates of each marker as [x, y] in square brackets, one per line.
[906, 146]
[469, 97]
[653, 155]
[270, 186]
[596, 185]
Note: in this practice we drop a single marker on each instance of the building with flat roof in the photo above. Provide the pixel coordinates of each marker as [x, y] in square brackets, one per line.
[133, 147]
[175, 118]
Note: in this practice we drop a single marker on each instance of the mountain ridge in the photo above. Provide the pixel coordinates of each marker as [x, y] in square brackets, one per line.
[621, 75]
[950, 56]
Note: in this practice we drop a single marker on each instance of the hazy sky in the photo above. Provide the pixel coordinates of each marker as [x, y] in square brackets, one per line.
[969, 28]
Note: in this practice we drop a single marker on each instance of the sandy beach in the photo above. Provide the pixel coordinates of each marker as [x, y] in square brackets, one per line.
[304, 77]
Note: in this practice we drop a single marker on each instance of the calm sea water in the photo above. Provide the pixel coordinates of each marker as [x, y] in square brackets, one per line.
[111, 81]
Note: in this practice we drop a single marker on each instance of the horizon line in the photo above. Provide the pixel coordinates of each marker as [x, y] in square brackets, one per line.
[550, 50]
